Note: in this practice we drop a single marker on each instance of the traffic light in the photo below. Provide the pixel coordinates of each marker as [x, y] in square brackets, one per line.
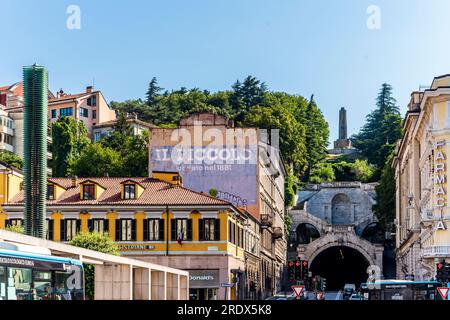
[291, 270]
[323, 284]
[298, 270]
[443, 272]
[305, 269]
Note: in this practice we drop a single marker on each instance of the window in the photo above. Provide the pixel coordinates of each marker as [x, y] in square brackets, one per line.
[209, 229]
[98, 225]
[129, 191]
[231, 232]
[126, 230]
[49, 229]
[66, 112]
[53, 113]
[6, 138]
[50, 192]
[94, 114]
[69, 228]
[19, 284]
[14, 222]
[84, 112]
[88, 192]
[97, 136]
[181, 229]
[154, 230]
[92, 101]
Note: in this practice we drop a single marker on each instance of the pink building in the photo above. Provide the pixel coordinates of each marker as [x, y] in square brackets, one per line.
[89, 107]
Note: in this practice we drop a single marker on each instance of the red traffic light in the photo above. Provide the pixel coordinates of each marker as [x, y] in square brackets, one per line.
[440, 266]
[297, 264]
[291, 263]
[305, 263]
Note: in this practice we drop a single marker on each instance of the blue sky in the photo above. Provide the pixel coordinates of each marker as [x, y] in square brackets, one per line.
[320, 47]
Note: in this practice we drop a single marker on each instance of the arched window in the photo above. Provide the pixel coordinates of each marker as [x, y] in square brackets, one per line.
[341, 209]
[306, 233]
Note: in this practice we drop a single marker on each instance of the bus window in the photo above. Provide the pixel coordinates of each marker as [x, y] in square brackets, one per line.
[43, 285]
[19, 284]
[2, 283]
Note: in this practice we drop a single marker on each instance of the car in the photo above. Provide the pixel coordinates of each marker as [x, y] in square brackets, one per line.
[349, 289]
[355, 296]
[283, 295]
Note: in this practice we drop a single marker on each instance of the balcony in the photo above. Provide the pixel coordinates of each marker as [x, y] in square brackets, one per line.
[436, 251]
[266, 220]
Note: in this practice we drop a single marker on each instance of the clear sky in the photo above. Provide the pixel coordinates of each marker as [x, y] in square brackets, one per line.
[320, 47]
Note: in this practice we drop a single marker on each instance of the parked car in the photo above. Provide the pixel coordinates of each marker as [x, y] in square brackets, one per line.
[283, 295]
[349, 289]
[356, 296]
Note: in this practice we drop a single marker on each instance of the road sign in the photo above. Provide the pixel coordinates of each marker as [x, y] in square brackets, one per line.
[443, 292]
[226, 285]
[298, 290]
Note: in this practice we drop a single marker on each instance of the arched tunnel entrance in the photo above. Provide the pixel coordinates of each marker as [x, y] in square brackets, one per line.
[340, 265]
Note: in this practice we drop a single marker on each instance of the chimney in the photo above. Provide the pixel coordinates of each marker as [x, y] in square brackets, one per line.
[89, 89]
[60, 93]
[74, 181]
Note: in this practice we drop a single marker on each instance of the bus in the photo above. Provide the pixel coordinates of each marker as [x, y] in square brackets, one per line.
[400, 290]
[32, 273]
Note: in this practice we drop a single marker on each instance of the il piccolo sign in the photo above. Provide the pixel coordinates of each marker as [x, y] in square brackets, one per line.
[440, 171]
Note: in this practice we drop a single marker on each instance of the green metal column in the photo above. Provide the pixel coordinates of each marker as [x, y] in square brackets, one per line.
[35, 94]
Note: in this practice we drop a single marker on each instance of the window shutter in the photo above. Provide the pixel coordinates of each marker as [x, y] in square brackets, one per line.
[63, 229]
[217, 229]
[201, 229]
[78, 229]
[133, 230]
[161, 229]
[106, 225]
[145, 229]
[189, 230]
[118, 227]
[173, 231]
[50, 229]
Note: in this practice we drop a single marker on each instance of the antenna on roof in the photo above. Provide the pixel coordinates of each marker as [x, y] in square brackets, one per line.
[93, 82]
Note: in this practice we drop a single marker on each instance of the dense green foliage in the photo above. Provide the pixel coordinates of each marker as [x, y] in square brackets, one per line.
[248, 103]
[94, 241]
[15, 228]
[11, 159]
[383, 127]
[120, 154]
[376, 141]
[69, 138]
[359, 170]
[384, 208]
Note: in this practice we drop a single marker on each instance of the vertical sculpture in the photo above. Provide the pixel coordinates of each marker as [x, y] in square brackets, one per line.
[342, 124]
[35, 94]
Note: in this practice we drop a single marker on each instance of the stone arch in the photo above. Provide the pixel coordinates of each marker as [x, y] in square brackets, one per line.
[306, 233]
[341, 209]
[355, 246]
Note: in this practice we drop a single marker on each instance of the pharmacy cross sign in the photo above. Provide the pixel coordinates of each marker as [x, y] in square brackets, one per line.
[443, 292]
[298, 290]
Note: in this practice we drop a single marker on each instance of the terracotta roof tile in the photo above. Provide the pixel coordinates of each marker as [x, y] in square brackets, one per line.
[156, 192]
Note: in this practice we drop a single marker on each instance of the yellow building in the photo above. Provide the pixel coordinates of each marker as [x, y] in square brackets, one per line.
[421, 163]
[155, 221]
[10, 184]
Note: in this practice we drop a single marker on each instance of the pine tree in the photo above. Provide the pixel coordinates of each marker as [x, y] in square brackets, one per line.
[382, 129]
[384, 208]
[153, 92]
[316, 136]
